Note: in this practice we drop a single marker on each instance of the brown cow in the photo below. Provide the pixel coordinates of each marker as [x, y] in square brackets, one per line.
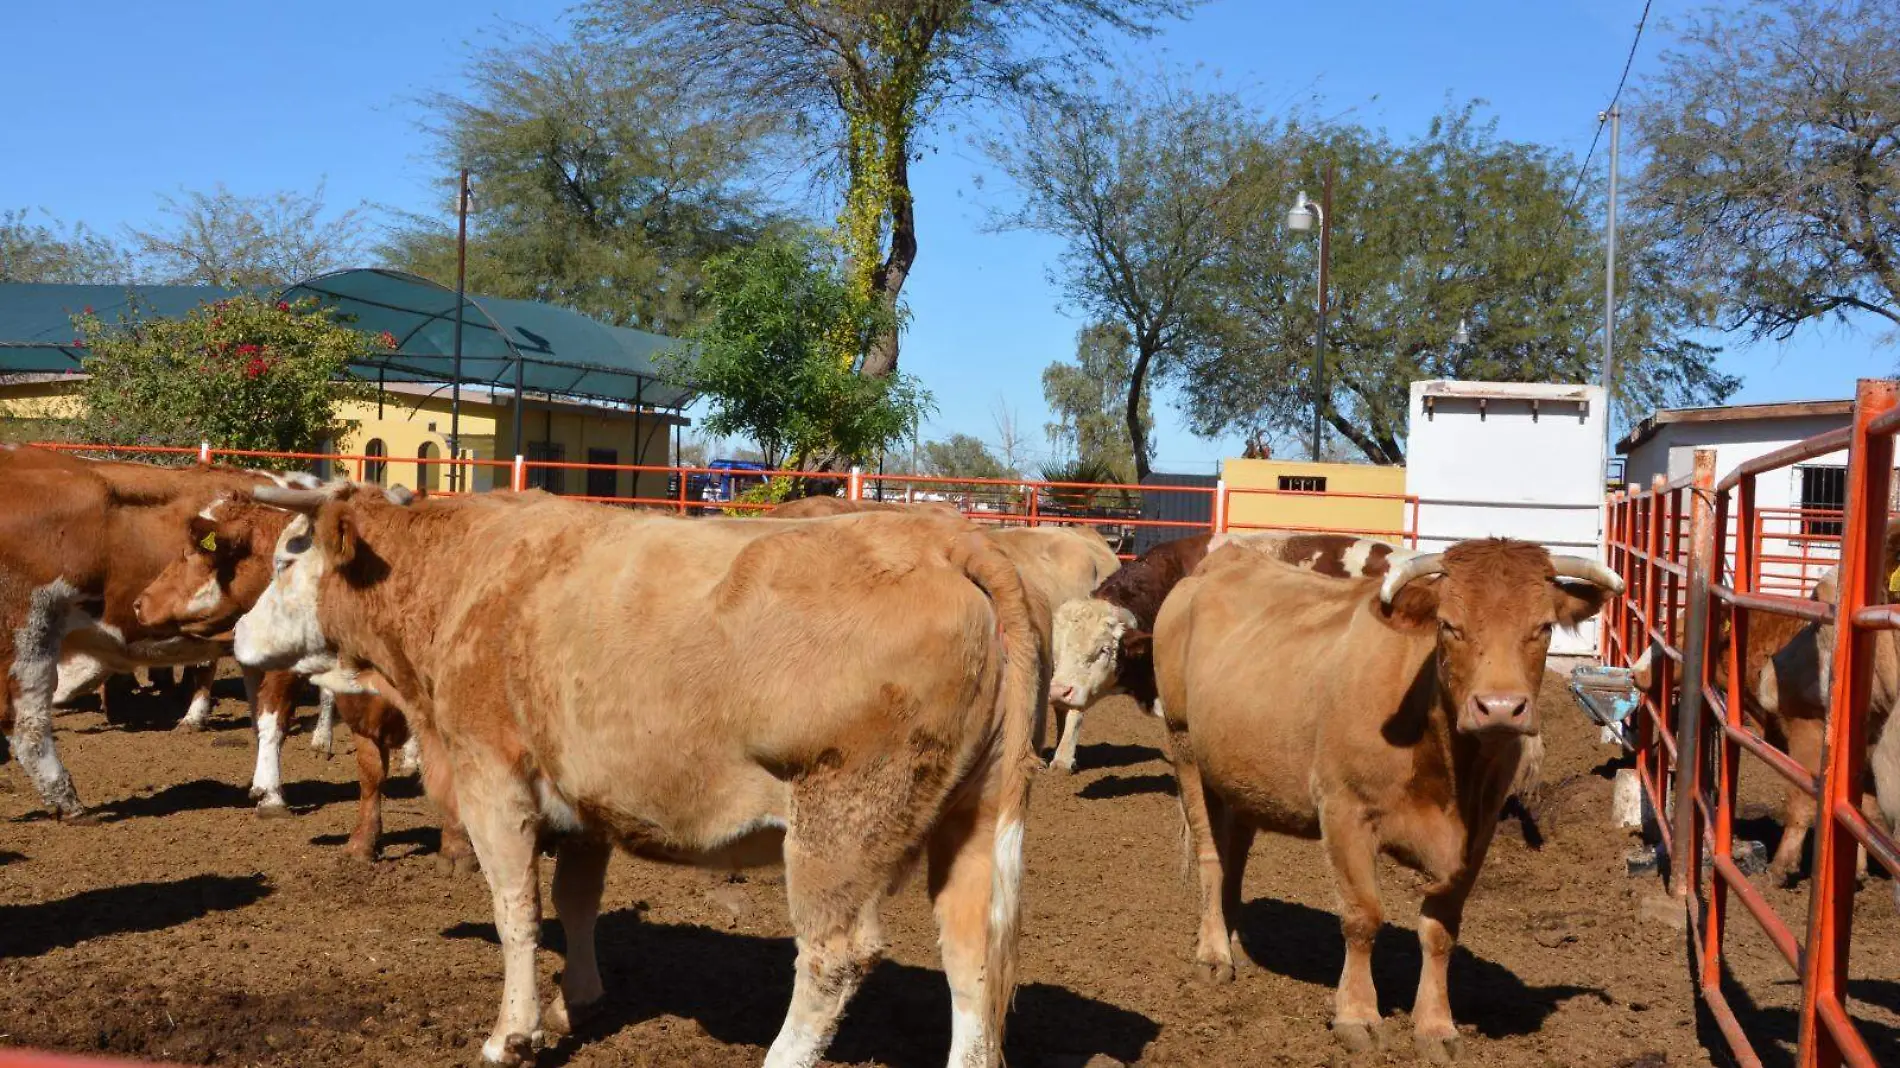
[79, 539]
[1377, 716]
[848, 694]
[1101, 644]
[819, 507]
[220, 578]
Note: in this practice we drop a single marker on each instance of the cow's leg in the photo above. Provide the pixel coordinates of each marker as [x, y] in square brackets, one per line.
[502, 819]
[270, 695]
[1797, 811]
[1065, 747]
[33, 646]
[1213, 953]
[580, 875]
[372, 767]
[1235, 840]
[1439, 917]
[79, 675]
[198, 713]
[846, 848]
[323, 737]
[962, 858]
[411, 760]
[1352, 846]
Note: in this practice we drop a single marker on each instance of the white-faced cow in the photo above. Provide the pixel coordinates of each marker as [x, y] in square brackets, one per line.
[1101, 643]
[206, 590]
[848, 694]
[1375, 715]
[79, 539]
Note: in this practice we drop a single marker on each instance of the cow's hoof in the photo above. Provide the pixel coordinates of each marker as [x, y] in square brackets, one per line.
[1214, 972]
[463, 864]
[272, 810]
[1358, 1036]
[1784, 876]
[78, 817]
[561, 1019]
[322, 742]
[362, 854]
[1439, 1049]
[190, 726]
[511, 1052]
[1066, 767]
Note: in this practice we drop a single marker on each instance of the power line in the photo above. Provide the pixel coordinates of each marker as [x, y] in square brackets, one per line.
[1603, 118]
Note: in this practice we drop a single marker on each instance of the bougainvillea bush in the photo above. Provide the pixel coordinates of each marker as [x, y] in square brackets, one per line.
[241, 373]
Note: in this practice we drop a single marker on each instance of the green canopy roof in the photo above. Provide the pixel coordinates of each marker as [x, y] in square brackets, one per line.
[557, 351]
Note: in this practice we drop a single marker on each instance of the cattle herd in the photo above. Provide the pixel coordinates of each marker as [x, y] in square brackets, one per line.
[853, 690]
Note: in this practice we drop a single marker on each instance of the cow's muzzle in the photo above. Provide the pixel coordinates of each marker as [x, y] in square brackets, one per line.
[1498, 712]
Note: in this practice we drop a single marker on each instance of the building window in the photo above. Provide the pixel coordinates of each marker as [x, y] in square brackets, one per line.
[1303, 483]
[428, 476]
[1823, 499]
[554, 479]
[601, 483]
[376, 469]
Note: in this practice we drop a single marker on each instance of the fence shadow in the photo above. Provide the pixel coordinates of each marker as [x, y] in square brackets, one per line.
[737, 987]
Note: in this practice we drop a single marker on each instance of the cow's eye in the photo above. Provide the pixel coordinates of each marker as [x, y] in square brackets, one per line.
[1452, 631]
[283, 563]
[1542, 632]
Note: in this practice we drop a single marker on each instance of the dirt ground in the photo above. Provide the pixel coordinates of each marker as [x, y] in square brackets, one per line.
[183, 928]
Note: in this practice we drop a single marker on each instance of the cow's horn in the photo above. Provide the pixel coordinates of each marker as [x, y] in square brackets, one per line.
[1578, 567]
[306, 501]
[401, 495]
[1403, 575]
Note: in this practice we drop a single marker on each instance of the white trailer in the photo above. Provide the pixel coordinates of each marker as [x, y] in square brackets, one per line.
[1510, 459]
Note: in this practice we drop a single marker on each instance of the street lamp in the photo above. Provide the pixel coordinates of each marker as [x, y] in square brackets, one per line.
[464, 201]
[1301, 218]
[1461, 335]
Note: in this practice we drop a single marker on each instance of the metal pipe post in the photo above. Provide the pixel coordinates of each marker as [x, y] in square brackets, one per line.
[1685, 861]
[461, 299]
[1319, 344]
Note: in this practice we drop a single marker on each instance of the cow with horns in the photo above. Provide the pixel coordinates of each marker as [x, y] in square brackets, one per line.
[1376, 715]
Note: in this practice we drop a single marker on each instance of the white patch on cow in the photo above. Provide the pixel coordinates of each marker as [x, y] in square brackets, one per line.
[51, 610]
[411, 761]
[969, 1046]
[200, 709]
[1086, 636]
[281, 632]
[79, 674]
[204, 599]
[1159, 712]
[323, 737]
[210, 511]
[556, 813]
[267, 781]
[1006, 883]
[1357, 555]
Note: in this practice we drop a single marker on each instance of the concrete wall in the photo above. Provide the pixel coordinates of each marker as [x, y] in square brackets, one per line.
[1504, 468]
[1273, 510]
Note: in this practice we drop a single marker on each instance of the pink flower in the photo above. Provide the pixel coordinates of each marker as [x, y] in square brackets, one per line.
[283, 305]
[248, 350]
[256, 367]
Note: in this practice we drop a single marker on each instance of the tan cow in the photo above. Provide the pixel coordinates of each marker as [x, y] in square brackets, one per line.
[1375, 715]
[847, 694]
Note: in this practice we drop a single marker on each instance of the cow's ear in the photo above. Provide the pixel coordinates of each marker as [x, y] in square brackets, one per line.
[1578, 601]
[204, 533]
[1137, 644]
[336, 536]
[233, 533]
[1415, 606]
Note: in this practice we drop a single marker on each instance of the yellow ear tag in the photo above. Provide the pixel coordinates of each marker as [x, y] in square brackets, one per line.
[1893, 581]
[210, 542]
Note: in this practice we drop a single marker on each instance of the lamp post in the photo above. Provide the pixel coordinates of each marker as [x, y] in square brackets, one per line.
[1302, 217]
[462, 196]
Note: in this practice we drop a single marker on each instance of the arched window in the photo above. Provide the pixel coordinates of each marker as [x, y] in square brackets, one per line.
[377, 469]
[428, 476]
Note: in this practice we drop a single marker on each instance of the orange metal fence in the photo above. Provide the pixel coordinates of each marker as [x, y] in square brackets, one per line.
[1682, 547]
[1113, 509]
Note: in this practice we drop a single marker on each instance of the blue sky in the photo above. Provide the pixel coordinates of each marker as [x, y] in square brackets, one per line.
[123, 100]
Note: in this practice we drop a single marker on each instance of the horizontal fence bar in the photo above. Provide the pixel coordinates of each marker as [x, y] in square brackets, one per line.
[1786, 456]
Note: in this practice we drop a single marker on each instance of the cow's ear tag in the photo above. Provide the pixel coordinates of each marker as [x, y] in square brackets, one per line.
[210, 542]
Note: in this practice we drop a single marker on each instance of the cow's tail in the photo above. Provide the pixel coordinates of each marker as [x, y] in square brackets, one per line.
[1019, 702]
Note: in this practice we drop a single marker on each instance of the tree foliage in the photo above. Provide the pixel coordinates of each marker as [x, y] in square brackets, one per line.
[864, 80]
[1089, 400]
[224, 239]
[767, 357]
[243, 373]
[1773, 174]
[605, 179]
[1457, 225]
[46, 251]
[1140, 183]
[963, 456]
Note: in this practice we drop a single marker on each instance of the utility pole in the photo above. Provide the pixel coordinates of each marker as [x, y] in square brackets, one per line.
[461, 289]
[1615, 118]
[1319, 348]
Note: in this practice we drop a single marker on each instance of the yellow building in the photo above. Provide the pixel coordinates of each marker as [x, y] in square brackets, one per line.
[1282, 495]
[410, 421]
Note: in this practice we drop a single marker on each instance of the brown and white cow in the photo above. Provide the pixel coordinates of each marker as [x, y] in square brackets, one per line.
[1101, 643]
[848, 694]
[79, 539]
[1378, 716]
[217, 580]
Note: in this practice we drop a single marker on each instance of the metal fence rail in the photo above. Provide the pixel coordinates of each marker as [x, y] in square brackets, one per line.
[1682, 548]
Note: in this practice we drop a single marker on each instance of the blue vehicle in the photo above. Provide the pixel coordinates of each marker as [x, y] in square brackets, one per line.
[726, 481]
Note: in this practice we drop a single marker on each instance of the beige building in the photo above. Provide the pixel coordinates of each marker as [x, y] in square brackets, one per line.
[1274, 494]
[409, 422]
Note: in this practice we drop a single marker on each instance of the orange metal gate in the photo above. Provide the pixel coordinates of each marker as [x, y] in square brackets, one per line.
[1682, 547]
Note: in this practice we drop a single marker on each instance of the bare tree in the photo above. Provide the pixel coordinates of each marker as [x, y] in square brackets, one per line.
[1009, 434]
[224, 239]
[1140, 182]
[866, 78]
[1773, 137]
[47, 251]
